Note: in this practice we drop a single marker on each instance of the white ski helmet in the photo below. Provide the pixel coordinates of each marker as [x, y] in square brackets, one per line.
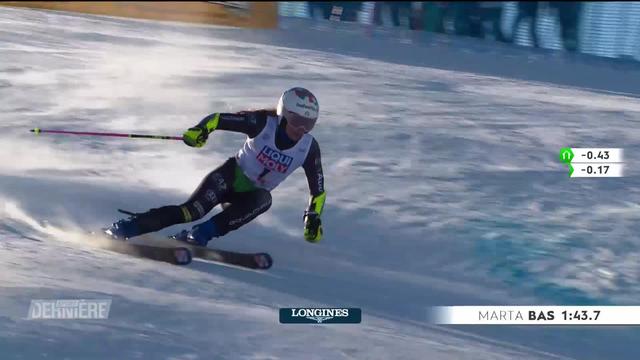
[300, 107]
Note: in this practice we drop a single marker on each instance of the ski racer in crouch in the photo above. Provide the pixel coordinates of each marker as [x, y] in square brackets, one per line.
[278, 142]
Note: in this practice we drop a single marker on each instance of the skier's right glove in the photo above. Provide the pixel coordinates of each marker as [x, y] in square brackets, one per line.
[197, 136]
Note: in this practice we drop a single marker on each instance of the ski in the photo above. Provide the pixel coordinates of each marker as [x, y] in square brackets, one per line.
[172, 255]
[256, 261]
[174, 251]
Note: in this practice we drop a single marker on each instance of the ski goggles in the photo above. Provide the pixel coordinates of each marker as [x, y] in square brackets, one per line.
[298, 121]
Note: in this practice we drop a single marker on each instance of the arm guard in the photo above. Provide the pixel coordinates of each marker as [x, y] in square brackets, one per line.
[210, 122]
[316, 203]
[250, 123]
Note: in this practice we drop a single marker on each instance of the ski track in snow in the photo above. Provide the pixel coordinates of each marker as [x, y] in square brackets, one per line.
[443, 188]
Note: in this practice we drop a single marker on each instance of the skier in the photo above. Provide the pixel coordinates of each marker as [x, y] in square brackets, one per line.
[278, 142]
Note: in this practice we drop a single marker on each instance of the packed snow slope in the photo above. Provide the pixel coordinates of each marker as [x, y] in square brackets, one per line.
[443, 183]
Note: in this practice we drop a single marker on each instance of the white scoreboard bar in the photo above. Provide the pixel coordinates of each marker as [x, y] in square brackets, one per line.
[597, 155]
[536, 315]
[597, 170]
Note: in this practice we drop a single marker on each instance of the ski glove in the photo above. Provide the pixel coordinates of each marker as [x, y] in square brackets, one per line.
[312, 227]
[196, 136]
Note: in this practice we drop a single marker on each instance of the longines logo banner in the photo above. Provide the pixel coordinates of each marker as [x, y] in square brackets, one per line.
[320, 316]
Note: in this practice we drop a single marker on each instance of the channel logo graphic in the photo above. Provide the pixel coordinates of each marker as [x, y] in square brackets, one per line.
[69, 309]
[320, 316]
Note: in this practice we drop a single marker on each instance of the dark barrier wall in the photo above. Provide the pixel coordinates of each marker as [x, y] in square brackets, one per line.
[458, 53]
[608, 29]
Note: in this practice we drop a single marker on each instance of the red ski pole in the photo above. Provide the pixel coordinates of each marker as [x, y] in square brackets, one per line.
[38, 131]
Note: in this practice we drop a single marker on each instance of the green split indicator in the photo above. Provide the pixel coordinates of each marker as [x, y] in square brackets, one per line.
[566, 155]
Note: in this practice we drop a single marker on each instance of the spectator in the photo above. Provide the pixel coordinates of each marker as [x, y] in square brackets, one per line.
[491, 12]
[568, 13]
[398, 9]
[320, 9]
[526, 9]
[377, 12]
[324, 9]
[468, 20]
[433, 16]
[350, 9]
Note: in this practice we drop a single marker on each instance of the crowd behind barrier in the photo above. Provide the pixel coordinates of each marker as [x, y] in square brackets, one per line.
[607, 29]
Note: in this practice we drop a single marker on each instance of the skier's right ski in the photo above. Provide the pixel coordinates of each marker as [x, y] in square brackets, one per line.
[161, 248]
[172, 255]
[257, 261]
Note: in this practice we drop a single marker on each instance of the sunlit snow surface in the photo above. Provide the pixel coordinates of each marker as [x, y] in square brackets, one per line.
[444, 188]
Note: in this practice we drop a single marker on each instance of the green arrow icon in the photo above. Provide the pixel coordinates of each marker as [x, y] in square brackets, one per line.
[570, 170]
[566, 155]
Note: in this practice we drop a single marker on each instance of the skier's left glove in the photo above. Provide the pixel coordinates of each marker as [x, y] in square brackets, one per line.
[312, 227]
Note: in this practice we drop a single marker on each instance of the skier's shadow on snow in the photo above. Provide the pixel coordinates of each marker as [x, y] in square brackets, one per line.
[297, 269]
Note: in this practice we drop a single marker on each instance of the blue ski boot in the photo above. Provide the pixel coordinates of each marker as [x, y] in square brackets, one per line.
[199, 235]
[123, 229]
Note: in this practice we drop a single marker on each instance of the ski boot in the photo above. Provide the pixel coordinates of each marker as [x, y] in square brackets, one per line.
[199, 235]
[123, 229]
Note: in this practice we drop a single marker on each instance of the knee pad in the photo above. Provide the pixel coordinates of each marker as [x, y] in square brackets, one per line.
[192, 211]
